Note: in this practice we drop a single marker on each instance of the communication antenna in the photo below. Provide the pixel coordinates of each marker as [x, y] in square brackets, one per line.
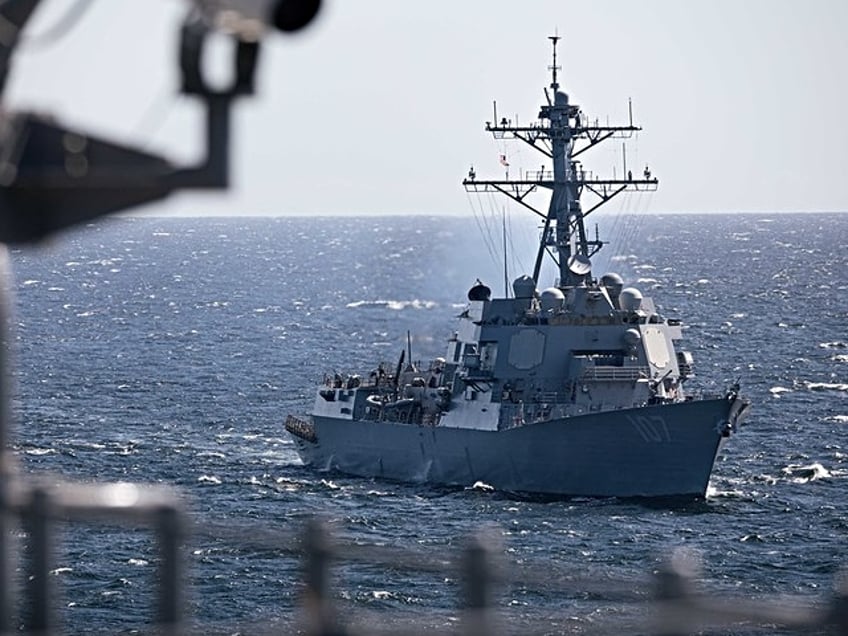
[553, 67]
[505, 270]
[579, 264]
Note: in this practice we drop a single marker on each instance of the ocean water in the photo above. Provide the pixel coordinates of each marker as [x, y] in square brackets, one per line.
[170, 351]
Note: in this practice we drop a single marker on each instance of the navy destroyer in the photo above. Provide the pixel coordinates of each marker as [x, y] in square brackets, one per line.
[576, 390]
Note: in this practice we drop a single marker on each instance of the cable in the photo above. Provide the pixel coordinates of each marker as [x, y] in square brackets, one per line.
[59, 29]
[489, 247]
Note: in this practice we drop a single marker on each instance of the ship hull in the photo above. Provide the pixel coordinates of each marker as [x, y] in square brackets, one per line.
[653, 451]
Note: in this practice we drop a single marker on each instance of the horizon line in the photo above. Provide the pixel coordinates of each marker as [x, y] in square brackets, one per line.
[212, 215]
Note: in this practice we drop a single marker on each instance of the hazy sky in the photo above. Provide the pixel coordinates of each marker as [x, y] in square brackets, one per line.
[379, 107]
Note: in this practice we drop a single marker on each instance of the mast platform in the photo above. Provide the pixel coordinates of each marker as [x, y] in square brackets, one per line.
[561, 133]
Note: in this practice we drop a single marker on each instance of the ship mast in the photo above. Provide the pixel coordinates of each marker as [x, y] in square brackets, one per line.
[562, 134]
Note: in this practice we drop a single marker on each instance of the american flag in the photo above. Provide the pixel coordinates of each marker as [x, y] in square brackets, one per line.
[503, 161]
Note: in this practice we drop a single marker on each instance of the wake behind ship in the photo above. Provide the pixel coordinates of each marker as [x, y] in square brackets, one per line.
[576, 390]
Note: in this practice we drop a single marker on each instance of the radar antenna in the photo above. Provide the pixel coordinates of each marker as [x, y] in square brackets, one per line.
[553, 67]
[562, 134]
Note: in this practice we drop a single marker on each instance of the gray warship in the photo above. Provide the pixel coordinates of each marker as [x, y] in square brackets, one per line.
[576, 390]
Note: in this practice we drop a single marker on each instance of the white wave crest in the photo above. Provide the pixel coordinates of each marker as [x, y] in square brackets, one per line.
[826, 386]
[40, 451]
[59, 571]
[213, 454]
[396, 305]
[836, 344]
[802, 474]
[777, 391]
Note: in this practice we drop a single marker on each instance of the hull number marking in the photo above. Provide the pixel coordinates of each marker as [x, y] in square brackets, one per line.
[652, 428]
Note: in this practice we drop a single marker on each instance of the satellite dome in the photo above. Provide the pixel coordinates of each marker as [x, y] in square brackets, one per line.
[630, 299]
[552, 299]
[613, 284]
[524, 287]
[631, 338]
[611, 279]
[479, 292]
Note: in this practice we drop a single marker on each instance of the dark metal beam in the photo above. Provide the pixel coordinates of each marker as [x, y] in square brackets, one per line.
[544, 131]
[592, 143]
[544, 151]
[604, 199]
[512, 196]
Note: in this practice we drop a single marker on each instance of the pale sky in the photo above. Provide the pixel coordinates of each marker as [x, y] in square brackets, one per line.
[379, 107]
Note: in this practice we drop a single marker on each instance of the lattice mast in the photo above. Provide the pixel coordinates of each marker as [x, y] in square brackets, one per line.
[562, 134]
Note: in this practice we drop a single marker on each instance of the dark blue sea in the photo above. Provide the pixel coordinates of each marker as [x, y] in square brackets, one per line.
[170, 350]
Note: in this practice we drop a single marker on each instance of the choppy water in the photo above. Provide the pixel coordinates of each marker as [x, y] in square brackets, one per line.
[170, 351]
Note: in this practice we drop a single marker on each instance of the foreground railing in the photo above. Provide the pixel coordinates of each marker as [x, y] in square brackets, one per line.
[42, 508]
[668, 601]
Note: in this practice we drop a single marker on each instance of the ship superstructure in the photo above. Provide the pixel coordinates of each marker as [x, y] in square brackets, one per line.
[576, 389]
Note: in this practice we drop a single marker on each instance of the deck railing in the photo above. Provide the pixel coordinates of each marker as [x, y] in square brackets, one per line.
[609, 373]
[669, 601]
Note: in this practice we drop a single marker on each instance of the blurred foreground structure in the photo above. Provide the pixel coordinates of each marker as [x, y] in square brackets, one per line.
[52, 177]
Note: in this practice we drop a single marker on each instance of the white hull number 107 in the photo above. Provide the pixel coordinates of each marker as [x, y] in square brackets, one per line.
[652, 428]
